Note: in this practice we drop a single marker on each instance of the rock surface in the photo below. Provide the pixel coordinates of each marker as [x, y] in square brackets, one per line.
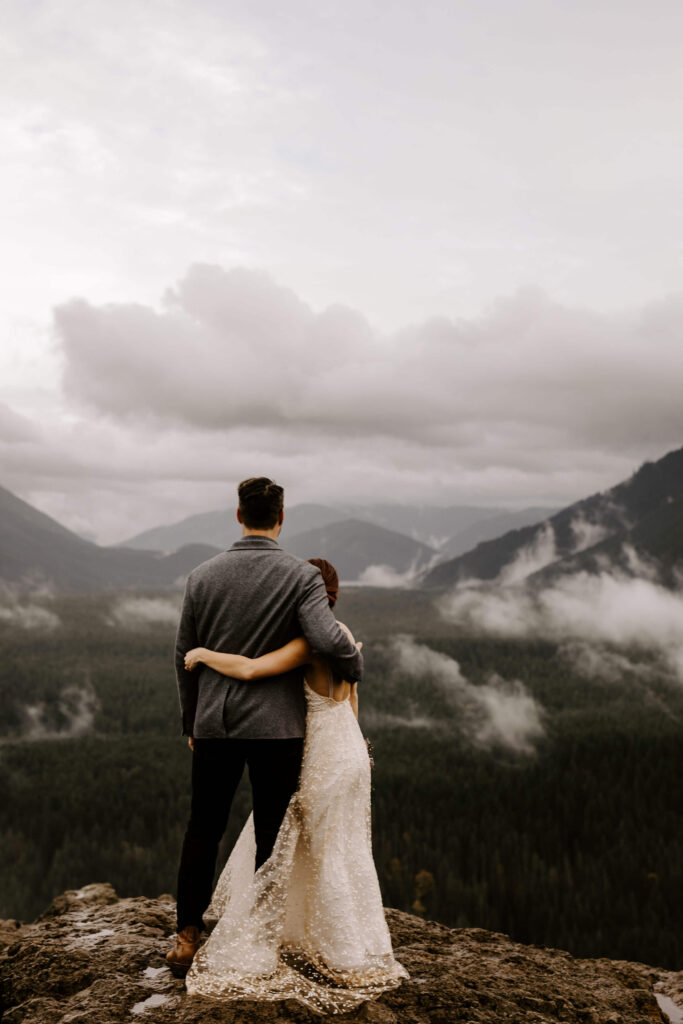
[93, 958]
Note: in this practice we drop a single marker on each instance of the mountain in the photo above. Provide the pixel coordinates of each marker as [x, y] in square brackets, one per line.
[33, 546]
[353, 546]
[31, 540]
[220, 528]
[432, 525]
[490, 528]
[657, 540]
[643, 511]
[95, 957]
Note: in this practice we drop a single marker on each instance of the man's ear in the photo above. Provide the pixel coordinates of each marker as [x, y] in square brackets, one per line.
[282, 516]
[239, 517]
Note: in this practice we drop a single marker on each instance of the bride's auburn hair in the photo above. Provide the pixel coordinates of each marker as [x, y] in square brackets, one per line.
[330, 578]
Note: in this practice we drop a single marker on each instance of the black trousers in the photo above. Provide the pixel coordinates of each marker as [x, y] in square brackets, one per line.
[217, 767]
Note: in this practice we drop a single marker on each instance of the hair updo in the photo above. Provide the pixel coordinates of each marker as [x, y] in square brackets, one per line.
[330, 578]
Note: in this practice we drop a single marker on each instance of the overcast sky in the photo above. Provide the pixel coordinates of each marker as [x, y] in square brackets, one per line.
[428, 252]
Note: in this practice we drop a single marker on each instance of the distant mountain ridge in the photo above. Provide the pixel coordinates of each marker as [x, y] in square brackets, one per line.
[353, 546]
[219, 528]
[645, 511]
[490, 528]
[451, 529]
[33, 546]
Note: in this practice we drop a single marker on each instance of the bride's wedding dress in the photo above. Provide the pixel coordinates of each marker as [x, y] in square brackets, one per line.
[309, 924]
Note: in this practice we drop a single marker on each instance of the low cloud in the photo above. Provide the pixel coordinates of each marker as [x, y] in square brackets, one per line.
[536, 555]
[607, 608]
[542, 551]
[75, 715]
[639, 565]
[587, 534]
[140, 612]
[30, 617]
[513, 717]
[498, 713]
[387, 576]
[612, 666]
[371, 718]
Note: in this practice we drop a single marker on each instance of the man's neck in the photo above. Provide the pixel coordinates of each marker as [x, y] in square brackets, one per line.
[270, 534]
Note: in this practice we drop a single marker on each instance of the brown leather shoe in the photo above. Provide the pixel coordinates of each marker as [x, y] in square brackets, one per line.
[180, 958]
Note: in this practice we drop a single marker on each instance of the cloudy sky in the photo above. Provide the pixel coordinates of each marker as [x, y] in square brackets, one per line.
[428, 252]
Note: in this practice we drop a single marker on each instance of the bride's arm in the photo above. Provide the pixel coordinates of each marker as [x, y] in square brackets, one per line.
[297, 652]
[353, 698]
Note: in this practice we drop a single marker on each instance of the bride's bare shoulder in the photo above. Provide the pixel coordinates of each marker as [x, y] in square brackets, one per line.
[346, 629]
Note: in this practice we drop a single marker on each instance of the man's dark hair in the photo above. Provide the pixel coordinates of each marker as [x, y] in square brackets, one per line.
[260, 502]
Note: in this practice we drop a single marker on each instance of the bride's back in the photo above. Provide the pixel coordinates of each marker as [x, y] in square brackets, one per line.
[319, 678]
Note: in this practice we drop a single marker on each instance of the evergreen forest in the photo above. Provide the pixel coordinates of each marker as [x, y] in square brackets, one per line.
[574, 840]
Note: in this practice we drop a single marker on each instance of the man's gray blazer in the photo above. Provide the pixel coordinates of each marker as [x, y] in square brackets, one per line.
[250, 600]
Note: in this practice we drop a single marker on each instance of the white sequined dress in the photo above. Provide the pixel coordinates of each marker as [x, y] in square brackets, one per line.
[309, 925]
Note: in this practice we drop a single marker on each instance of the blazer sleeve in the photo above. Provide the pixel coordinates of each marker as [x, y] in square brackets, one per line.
[324, 633]
[186, 639]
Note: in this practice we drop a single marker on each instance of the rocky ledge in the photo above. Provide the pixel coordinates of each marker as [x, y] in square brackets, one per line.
[93, 958]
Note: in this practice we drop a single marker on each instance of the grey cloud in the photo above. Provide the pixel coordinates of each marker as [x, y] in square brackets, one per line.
[232, 349]
[535, 556]
[147, 132]
[594, 661]
[387, 576]
[178, 404]
[30, 617]
[111, 478]
[497, 713]
[76, 710]
[586, 534]
[371, 718]
[134, 613]
[15, 428]
[601, 610]
[143, 135]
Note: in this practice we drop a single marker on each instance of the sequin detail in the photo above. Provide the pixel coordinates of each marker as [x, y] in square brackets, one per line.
[309, 925]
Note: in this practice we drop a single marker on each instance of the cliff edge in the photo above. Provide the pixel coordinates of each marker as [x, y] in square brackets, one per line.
[93, 958]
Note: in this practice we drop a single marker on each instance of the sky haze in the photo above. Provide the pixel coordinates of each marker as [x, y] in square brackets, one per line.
[422, 252]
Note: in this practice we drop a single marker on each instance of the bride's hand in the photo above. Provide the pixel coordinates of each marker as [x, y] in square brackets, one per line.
[194, 658]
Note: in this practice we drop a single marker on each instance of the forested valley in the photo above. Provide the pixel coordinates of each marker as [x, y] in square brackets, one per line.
[571, 837]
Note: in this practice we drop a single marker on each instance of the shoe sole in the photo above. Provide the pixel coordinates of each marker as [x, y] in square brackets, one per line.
[178, 970]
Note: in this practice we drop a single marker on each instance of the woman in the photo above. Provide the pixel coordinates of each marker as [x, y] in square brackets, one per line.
[312, 914]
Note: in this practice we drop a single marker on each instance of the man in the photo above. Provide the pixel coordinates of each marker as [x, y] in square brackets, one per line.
[249, 600]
